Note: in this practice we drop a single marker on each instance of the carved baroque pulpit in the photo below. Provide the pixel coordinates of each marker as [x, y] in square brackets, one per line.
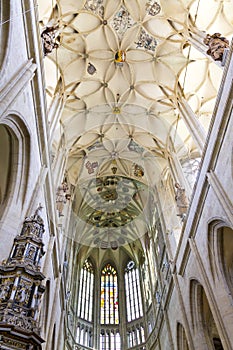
[21, 288]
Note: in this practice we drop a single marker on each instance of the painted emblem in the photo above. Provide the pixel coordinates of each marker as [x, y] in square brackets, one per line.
[120, 58]
[138, 170]
[91, 69]
[122, 21]
[91, 167]
[146, 41]
[152, 8]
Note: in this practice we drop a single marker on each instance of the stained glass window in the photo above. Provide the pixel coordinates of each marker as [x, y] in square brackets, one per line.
[133, 292]
[109, 296]
[85, 298]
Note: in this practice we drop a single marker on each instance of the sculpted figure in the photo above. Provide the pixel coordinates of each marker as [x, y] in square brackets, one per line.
[61, 197]
[217, 44]
[181, 201]
[49, 39]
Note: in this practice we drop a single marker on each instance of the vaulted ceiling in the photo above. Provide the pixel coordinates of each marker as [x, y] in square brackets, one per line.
[120, 69]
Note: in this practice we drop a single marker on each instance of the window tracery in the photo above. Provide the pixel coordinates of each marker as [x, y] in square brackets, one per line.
[109, 313]
[84, 335]
[85, 298]
[135, 335]
[110, 340]
[133, 292]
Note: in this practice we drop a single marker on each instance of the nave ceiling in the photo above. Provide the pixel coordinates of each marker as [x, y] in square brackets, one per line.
[121, 68]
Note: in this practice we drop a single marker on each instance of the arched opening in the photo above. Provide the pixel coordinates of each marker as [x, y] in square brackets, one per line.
[133, 292]
[220, 244]
[84, 332]
[203, 321]
[5, 164]
[225, 239]
[109, 313]
[14, 162]
[182, 343]
[5, 26]
[86, 292]
[209, 325]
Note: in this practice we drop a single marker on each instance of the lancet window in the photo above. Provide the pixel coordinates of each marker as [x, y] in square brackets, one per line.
[133, 292]
[109, 313]
[85, 298]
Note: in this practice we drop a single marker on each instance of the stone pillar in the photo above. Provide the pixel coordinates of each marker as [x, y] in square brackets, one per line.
[191, 121]
[196, 39]
[178, 173]
[55, 111]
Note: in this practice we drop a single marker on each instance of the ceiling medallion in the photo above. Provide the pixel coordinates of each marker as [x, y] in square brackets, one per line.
[152, 8]
[114, 169]
[146, 41]
[114, 155]
[120, 58]
[138, 170]
[122, 21]
[91, 166]
[91, 69]
[116, 110]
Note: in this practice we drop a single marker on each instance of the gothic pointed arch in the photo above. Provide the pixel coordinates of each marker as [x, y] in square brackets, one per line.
[5, 162]
[134, 305]
[86, 292]
[203, 322]
[5, 37]
[133, 292]
[85, 304]
[182, 343]
[109, 300]
[221, 252]
[14, 161]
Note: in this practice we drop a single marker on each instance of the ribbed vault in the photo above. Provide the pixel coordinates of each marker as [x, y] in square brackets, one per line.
[121, 70]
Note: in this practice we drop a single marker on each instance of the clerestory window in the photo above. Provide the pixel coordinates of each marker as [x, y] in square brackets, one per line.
[86, 289]
[133, 292]
[109, 313]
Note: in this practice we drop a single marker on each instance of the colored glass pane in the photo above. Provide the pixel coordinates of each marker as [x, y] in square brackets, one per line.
[109, 296]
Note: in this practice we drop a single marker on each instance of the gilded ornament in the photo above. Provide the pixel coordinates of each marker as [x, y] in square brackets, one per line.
[116, 110]
[120, 57]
